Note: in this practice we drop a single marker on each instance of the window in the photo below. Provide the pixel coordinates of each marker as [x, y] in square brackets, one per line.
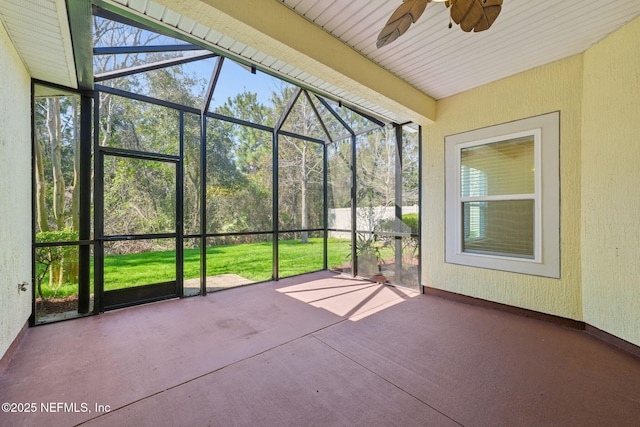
[503, 197]
[474, 182]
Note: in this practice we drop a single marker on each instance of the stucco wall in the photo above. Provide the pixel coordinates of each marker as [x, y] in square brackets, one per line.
[553, 87]
[15, 193]
[610, 184]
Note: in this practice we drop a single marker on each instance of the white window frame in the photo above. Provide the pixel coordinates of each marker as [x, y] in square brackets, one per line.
[545, 130]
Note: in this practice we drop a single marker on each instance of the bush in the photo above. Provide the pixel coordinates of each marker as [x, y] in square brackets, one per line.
[64, 235]
[411, 221]
[51, 259]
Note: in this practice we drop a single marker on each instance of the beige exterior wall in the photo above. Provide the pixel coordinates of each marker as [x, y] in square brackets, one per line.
[598, 95]
[553, 87]
[611, 184]
[15, 193]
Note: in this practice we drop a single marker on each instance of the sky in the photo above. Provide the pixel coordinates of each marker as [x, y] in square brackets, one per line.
[235, 79]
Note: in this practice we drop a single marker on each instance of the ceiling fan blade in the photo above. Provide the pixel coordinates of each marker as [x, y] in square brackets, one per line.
[476, 15]
[400, 21]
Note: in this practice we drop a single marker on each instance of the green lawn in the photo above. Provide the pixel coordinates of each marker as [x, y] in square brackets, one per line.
[251, 260]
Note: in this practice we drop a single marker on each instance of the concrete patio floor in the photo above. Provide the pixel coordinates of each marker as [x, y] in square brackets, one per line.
[317, 349]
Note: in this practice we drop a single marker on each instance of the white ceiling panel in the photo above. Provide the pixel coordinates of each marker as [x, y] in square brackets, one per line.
[39, 30]
[155, 11]
[138, 5]
[171, 18]
[442, 62]
[213, 36]
[200, 31]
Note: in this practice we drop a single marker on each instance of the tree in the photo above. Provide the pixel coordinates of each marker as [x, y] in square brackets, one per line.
[56, 143]
[252, 149]
[300, 166]
[42, 215]
[375, 185]
[339, 174]
[239, 169]
[140, 195]
[54, 129]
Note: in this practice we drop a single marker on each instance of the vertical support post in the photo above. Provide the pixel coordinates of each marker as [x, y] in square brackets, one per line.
[98, 211]
[84, 232]
[275, 179]
[398, 202]
[325, 203]
[203, 204]
[180, 214]
[32, 318]
[420, 165]
[354, 219]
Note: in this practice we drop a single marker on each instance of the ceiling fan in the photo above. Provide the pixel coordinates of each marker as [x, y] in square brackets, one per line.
[476, 15]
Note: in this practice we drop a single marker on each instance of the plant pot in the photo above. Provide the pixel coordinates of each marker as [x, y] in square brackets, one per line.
[368, 265]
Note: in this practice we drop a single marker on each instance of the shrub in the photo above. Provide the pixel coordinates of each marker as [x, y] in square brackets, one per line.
[50, 259]
[411, 221]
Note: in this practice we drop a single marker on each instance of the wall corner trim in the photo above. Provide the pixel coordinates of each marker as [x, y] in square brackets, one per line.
[613, 340]
[607, 338]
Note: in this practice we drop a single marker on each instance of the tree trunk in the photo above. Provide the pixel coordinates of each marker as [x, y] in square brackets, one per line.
[54, 129]
[42, 216]
[71, 267]
[75, 192]
[53, 126]
[56, 275]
